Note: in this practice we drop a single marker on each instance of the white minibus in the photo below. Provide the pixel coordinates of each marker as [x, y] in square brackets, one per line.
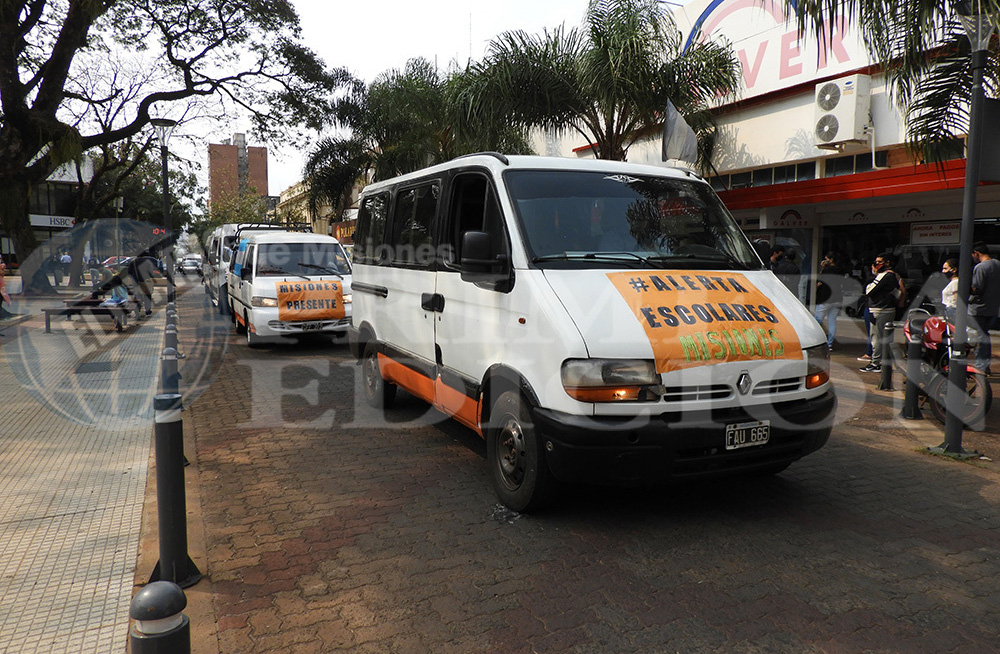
[594, 321]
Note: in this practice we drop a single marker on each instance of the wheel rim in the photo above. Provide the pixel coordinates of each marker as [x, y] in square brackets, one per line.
[372, 375]
[511, 456]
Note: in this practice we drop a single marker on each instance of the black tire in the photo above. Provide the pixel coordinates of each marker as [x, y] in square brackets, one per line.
[515, 456]
[252, 340]
[979, 397]
[379, 393]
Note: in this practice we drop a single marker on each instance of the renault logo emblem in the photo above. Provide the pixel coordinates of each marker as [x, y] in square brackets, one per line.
[743, 383]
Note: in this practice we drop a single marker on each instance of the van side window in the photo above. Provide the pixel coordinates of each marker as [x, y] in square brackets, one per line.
[474, 206]
[411, 242]
[370, 234]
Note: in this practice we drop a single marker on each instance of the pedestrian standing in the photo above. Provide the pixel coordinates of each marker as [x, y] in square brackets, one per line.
[883, 294]
[984, 302]
[786, 271]
[829, 290]
[949, 294]
[65, 261]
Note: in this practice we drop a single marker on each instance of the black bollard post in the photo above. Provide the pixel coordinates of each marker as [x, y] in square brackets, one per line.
[911, 397]
[170, 336]
[159, 627]
[885, 381]
[169, 377]
[174, 565]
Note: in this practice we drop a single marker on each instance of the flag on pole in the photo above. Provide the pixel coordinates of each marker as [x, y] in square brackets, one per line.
[679, 140]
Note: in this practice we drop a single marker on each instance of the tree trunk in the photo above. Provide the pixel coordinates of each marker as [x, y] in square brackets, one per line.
[15, 191]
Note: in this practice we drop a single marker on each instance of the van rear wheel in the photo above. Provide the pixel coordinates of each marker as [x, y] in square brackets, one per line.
[515, 456]
[378, 392]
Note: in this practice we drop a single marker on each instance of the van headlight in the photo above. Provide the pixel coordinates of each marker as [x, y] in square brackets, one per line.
[817, 365]
[257, 301]
[610, 380]
[348, 298]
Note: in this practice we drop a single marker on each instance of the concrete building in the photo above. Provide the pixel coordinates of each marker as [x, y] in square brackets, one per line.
[234, 167]
[294, 207]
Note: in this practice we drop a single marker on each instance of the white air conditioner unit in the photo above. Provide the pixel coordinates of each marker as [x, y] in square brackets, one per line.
[842, 110]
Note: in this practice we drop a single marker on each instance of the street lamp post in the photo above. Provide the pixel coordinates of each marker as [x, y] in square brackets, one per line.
[979, 27]
[164, 127]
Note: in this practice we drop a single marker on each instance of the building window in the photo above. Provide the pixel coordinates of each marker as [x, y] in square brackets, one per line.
[805, 171]
[740, 180]
[763, 176]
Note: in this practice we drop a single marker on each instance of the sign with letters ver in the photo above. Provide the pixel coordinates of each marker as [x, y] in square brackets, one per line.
[303, 300]
[695, 318]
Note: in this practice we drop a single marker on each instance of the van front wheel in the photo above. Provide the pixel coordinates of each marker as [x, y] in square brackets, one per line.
[515, 456]
[378, 392]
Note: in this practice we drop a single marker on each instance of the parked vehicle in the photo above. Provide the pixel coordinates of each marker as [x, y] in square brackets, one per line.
[936, 337]
[289, 284]
[219, 251]
[190, 264]
[592, 320]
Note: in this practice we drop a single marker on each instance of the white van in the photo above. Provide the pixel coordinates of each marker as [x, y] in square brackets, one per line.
[219, 250]
[285, 284]
[595, 321]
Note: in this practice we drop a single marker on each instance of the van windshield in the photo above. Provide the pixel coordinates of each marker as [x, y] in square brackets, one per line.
[576, 219]
[303, 259]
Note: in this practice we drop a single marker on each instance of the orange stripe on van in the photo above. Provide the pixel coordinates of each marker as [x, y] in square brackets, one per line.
[458, 405]
[446, 399]
[408, 378]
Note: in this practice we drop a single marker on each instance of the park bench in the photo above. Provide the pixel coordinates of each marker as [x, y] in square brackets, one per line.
[89, 304]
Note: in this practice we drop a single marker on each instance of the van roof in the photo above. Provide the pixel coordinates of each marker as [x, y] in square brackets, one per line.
[500, 163]
[289, 237]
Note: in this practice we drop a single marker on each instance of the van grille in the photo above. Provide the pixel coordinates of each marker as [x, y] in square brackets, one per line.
[690, 393]
[777, 386]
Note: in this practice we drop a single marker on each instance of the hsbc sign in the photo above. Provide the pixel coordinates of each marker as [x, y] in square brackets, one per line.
[770, 49]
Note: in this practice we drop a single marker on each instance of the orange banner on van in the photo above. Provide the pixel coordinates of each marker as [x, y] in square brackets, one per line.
[694, 319]
[302, 300]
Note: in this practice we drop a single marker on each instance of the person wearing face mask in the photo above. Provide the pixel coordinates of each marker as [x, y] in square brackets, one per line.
[949, 294]
[884, 296]
[984, 302]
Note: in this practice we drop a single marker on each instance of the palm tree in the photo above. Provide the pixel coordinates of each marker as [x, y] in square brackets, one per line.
[403, 121]
[608, 82]
[925, 54]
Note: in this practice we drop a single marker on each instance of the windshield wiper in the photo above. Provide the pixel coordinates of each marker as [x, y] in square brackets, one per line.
[316, 266]
[274, 270]
[704, 257]
[593, 256]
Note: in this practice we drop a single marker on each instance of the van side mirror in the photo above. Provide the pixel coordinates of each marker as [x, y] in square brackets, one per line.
[245, 273]
[481, 265]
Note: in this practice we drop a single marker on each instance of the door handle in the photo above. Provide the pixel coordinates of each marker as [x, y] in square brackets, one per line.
[432, 302]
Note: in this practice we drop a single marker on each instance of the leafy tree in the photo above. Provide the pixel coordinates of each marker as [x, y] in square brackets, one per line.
[925, 54]
[403, 121]
[244, 53]
[609, 82]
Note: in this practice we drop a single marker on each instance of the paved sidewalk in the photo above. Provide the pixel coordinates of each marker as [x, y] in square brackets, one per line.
[74, 452]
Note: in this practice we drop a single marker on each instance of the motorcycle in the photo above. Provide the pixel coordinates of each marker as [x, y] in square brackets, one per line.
[936, 337]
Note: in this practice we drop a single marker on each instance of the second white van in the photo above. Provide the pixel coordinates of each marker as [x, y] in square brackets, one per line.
[284, 284]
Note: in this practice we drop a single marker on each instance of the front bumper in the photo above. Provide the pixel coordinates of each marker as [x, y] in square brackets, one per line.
[682, 445]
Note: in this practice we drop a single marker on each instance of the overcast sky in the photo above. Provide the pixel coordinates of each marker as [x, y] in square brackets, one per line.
[368, 38]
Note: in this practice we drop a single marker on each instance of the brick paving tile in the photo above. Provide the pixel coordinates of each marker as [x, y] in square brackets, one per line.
[328, 529]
